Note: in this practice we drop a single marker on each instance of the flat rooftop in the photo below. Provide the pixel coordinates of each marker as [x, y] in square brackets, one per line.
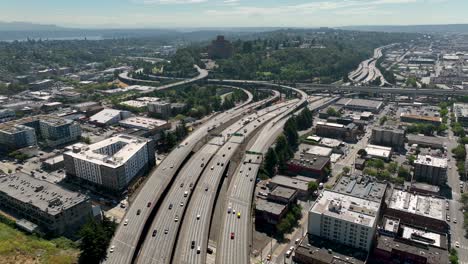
[45, 196]
[326, 251]
[143, 122]
[320, 151]
[424, 205]
[270, 207]
[298, 183]
[421, 117]
[348, 208]
[378, 151]
[359, 103]
[283, 192]
[431, 161]
[364, 187]
[425, 140]
[105, 115]
[330, 124]
[433, 255]
[423, 237]
[124, 147]
[17, 125]
[312, 162]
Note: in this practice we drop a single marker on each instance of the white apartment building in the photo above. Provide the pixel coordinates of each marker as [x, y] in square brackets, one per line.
[113, 162]
[345, 219]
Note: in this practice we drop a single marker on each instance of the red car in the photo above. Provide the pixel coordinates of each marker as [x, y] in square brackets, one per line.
[149, 204]
[232, 235]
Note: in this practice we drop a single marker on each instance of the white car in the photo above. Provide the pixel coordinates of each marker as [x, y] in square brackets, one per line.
[198, 216]
[457, 244]
[126, 222]
[455, 220]
[112, 249]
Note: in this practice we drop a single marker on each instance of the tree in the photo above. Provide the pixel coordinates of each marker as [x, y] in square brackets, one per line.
[392, 167]
[283, 149]
[271, 160]
[95, 238]
[332, 112]
[312, 186]
[290, 131]
[362, 153]
[346, 170]
[403, 172]
[459, 152]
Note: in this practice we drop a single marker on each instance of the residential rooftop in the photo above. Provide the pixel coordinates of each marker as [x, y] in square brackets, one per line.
[424, 205]
[364, 187]
[348, 208]
[431, 161]
[123, 148]
[283, 192]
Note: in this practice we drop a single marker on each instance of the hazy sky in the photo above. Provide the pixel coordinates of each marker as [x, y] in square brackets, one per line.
[227, 13]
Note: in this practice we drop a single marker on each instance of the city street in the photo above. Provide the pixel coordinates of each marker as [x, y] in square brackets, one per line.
[456, 229]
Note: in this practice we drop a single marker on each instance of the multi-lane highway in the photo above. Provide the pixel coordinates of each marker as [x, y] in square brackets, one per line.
[127, 235]
[367, 70]
[196, 225]
[234, 241]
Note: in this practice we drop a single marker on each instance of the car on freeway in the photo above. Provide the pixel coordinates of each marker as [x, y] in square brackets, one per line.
[192, 246]
[206, 189]
[185, 193]
[149, 204]
[198, 216]
[181, 204]
[170, 206]
[238, 214]
[232, 235]
[455, 220]
[138, 212]
[198, 250]
[155, 232]
[181, 185]
[112, 249]
[126, 222]
[176, 219]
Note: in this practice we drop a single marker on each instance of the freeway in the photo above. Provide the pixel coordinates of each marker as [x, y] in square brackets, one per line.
[234, 238]
[380, 90]
[202, 74]
[126, 238]
[168, 218]
[196, 223]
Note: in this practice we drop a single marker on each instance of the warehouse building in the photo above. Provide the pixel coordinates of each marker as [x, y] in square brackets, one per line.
[361, 104]
[425, 141]
[388, 137]
[431, 170]
[316, 167]
[53, 208]
[112, 163]
[345, 219]
[379, 152]
[145, 123]
[410, 118]
[108, 117]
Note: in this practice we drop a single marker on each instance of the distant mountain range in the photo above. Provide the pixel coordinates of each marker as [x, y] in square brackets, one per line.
[10, 31]
[450, 28]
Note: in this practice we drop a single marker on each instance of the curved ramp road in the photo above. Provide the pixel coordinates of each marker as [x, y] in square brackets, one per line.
[202, 74]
